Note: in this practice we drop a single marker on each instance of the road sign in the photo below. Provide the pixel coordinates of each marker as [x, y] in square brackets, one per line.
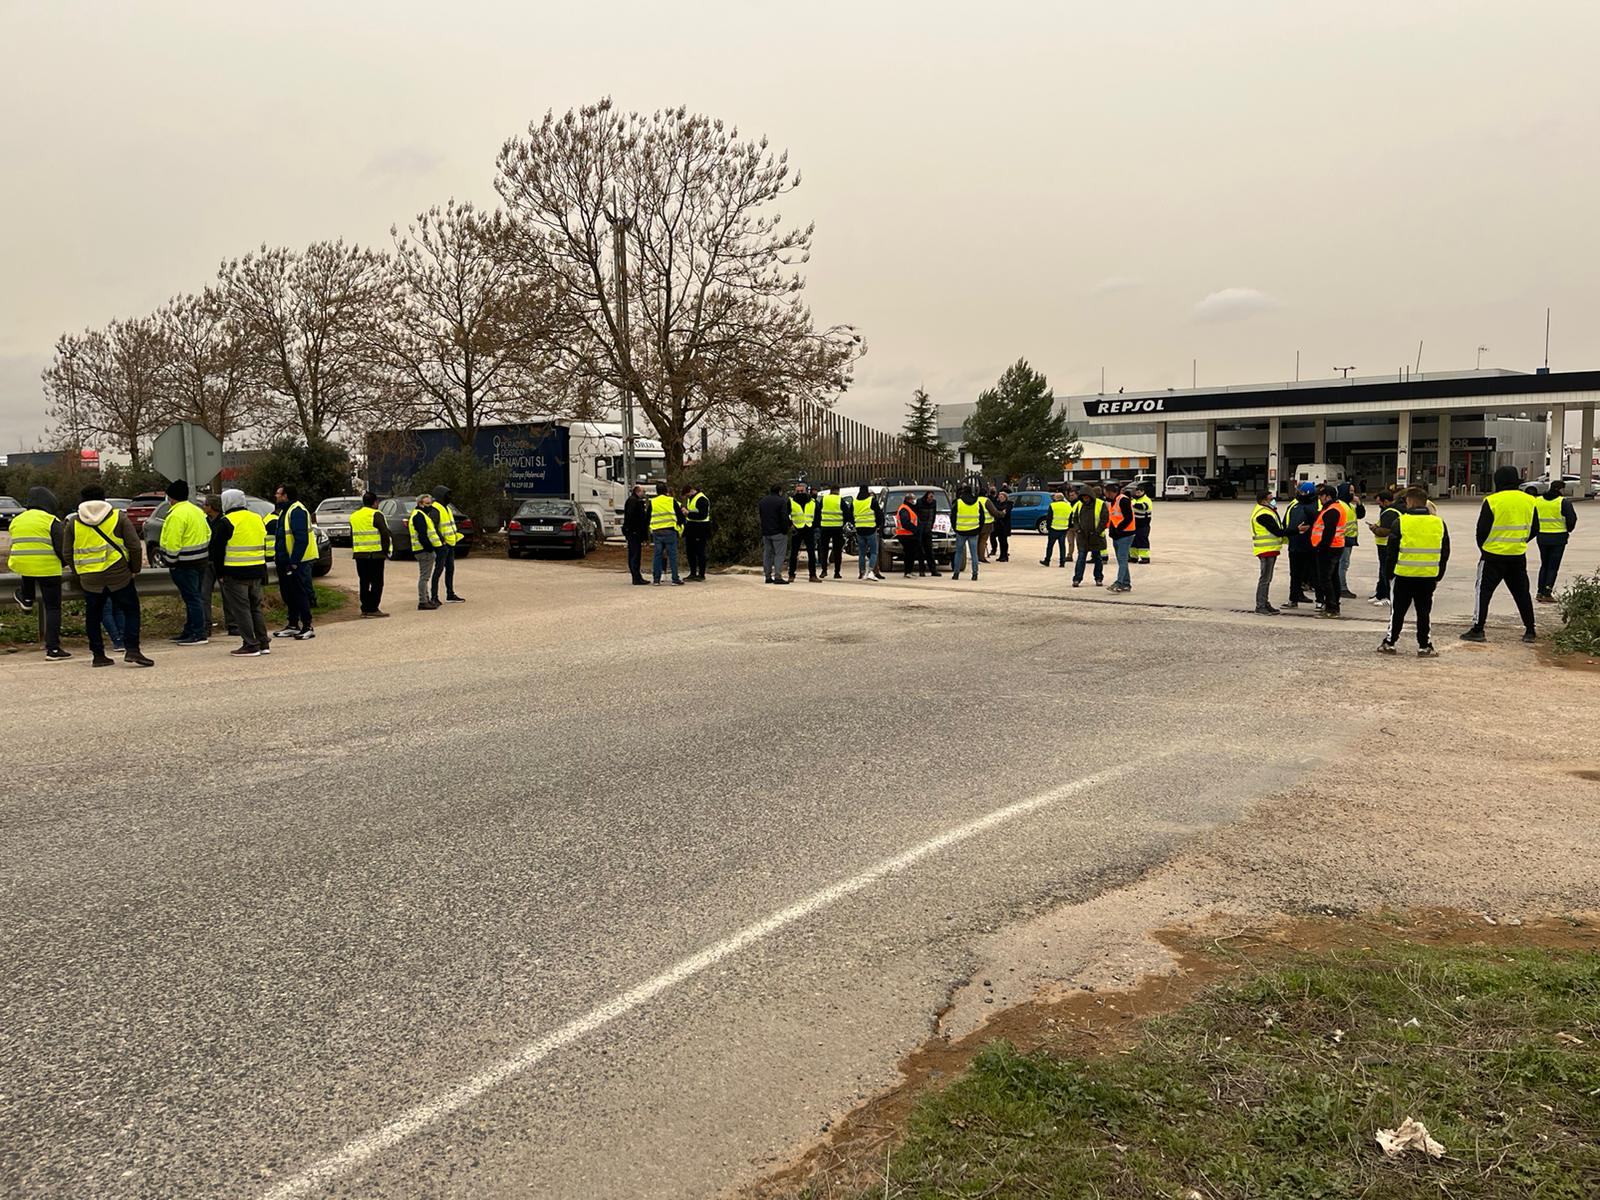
[187, 451]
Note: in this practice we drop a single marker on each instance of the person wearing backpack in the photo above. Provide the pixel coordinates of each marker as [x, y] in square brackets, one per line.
[107, 558]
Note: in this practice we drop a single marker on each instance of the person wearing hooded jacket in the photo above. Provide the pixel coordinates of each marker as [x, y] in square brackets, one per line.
[239, 555]
[1297, 523]
[1507, 522]
[1554, 521]
[1354, 512]
[38, 550]
[444, 562]
[107, 557]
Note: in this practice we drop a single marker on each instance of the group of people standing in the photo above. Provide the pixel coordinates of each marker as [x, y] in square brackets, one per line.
[1099, 516]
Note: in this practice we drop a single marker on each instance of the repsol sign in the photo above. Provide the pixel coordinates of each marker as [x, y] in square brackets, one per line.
[1106, 408]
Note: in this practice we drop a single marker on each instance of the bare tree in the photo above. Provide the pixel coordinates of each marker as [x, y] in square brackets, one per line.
[717, 328]
[209, 375]
[312, 320]
[467, 334]
[109, 382]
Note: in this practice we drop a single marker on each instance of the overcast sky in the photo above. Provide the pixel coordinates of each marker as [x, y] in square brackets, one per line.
[1131, 185]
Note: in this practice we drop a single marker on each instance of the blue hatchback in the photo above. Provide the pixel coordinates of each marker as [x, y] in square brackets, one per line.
[1030, 510]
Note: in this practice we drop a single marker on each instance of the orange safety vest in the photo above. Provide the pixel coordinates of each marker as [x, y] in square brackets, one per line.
[1336, 542]
[1117, 509]
[905, 521]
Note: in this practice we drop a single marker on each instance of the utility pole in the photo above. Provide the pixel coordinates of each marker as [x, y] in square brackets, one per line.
[1481, 350]
[620, 225]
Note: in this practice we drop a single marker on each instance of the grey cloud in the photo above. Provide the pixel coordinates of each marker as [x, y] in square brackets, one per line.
[1235, 304]
[402, 162]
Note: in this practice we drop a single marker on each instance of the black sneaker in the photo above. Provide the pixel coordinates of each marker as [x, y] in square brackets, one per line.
[1530, 637]
[1291, 604]
[246, 652]
[291, 631]
[135, 659]
[56, 656]
[424, 606]
[1474, 635]
[305, 635]
[100, 660]
[1266, 610]
[1386, 647]
[455, 599]
[23, 602]
[1427, 652]
[199, 641]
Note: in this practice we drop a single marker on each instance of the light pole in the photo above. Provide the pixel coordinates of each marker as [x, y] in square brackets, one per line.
[1481, 351]
[620, 225]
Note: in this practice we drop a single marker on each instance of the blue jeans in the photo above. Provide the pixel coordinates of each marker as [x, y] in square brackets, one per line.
[666, 541]
[867, 551]
[196, 619]
[111, 622]
[966, 543]
[1084, 555]
[1058, 537]
[1121, 546]
[1344, 565]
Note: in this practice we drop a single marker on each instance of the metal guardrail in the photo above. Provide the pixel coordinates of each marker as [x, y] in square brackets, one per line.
[150, 582]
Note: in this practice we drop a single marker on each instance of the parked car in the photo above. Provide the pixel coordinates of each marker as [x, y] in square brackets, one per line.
[333, 516]
[1147, 482]
[8, 508]
[944, 537]
[1221, 489]
[141, 506]
[1186, 487]
[397, 510]
[550, 523]
[1030, 510]
[262, 508]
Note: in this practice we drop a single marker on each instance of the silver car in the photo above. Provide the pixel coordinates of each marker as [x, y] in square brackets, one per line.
[333, 517]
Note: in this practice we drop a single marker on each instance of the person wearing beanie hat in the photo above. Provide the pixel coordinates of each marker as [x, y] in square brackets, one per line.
[1506, 523]
[186, 545]
[38, 550]
[444, 559]
[1297, 522]
[239, 554]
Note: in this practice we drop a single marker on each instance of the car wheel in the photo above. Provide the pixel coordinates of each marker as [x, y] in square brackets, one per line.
[463, 552]
[1042, 527]
[581, 550]
[513, 552]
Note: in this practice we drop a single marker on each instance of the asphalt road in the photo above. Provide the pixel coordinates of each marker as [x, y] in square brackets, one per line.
[262, 916]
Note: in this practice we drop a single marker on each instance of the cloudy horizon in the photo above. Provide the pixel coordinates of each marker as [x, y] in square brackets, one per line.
[1164, 191]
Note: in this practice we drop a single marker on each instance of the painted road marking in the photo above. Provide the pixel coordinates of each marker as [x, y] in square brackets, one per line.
[418, 1117]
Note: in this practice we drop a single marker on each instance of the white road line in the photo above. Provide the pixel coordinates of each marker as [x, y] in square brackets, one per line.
[413, 1120]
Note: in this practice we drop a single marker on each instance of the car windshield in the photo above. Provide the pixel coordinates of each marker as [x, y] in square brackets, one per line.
[339, 504]
[9, 501]
[118, 502]
[545, 508]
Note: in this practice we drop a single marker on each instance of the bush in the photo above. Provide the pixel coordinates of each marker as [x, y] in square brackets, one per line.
[476, 488]
[316, 470]
[1579, 606]
[735, 479]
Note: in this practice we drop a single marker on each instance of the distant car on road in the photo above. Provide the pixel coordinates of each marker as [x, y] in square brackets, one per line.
[262, 508]
[142, 505]
[396, 512]
[333, 517]
[1185, 487]
[550, 523]
[8, 508]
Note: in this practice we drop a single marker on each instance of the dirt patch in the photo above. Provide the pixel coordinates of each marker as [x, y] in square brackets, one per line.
[1550, 657]
[1089, 1023]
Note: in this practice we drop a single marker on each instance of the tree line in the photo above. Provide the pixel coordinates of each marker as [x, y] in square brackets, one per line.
[474, 317]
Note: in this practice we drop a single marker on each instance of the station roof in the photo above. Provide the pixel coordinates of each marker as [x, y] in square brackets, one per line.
[1475, 391]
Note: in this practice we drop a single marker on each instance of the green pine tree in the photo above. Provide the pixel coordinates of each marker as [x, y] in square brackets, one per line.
[1015, 430]
[921, 430]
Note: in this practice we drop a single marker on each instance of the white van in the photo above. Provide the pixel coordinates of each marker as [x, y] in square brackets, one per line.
[1319, 473]
[1186, 487]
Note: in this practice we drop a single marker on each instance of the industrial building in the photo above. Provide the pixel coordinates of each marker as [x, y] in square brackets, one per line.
[1380, 430]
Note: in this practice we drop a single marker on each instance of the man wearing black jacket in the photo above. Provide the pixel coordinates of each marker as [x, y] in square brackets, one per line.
[1327, 536]
[1000, 531]
[1554, 520]
[1266, 536]
[773, 512]
[1506, 524]
[696, 531]
[635, 529]
[1410, 584]
[1302, 558]
[927, 517]
[803, 523]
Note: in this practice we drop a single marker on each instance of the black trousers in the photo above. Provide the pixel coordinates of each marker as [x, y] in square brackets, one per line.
[1000, 539]
[1512, 570]
[1405, 591]
[925, 549]
[803, 537]
[1328, 579]
[44, 592]
[696, 537]
[1551, 548]
[1302, 574]
[827, 538]
[369, 576]
[910, 553]
[635, 549]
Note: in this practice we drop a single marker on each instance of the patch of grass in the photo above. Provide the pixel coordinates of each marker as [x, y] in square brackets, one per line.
[1273, 1084]
[159, 616]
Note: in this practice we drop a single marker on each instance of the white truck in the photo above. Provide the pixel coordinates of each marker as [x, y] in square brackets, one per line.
[1317, 473]
[595, 470]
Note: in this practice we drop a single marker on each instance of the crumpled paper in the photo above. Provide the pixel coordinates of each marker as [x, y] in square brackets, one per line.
[1410, 1134]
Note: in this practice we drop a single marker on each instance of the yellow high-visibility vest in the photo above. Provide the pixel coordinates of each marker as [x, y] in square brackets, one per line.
[1421, 546]
[1260, 540]
[429, 529]
[663, 514]
[861, 510]
[1551, 518]
[800, 514]
[247, 541]
[364, 535]
[688, 510]
[1060, 514]
[1512, 523]
[969, 515]
[33, 547]
[309, 554]
[91, 553]
[832, 511]
[448, 533]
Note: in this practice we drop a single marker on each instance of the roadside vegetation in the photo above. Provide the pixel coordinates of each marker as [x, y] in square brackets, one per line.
[160, 617]
[1275, 1083]
[1579, 606]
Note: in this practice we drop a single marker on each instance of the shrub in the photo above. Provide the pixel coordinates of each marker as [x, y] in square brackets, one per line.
[476, 488]
[1579, 606]
[316, 469]
[735, 479]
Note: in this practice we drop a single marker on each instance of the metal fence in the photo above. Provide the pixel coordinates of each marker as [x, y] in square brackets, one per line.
[838, 451]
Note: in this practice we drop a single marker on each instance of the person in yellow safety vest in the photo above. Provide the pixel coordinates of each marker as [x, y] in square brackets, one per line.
[986, 503]
[294, 550]
[830, 530]
[38, 549]
[1267, 541]
[1380, 538]
[426, 541]
[1505, 527]
[1555, 518]
[865, 513]
[803, 515]
[239, 548]
[1058, 530]
[1143, 512]
[444, 558]
[666, 518]
[186, 545]
[369, 546]
[969, 526]
[696, 531]
[107, 558]
[1416, 551]
[1090, 518]
[1354, 510]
